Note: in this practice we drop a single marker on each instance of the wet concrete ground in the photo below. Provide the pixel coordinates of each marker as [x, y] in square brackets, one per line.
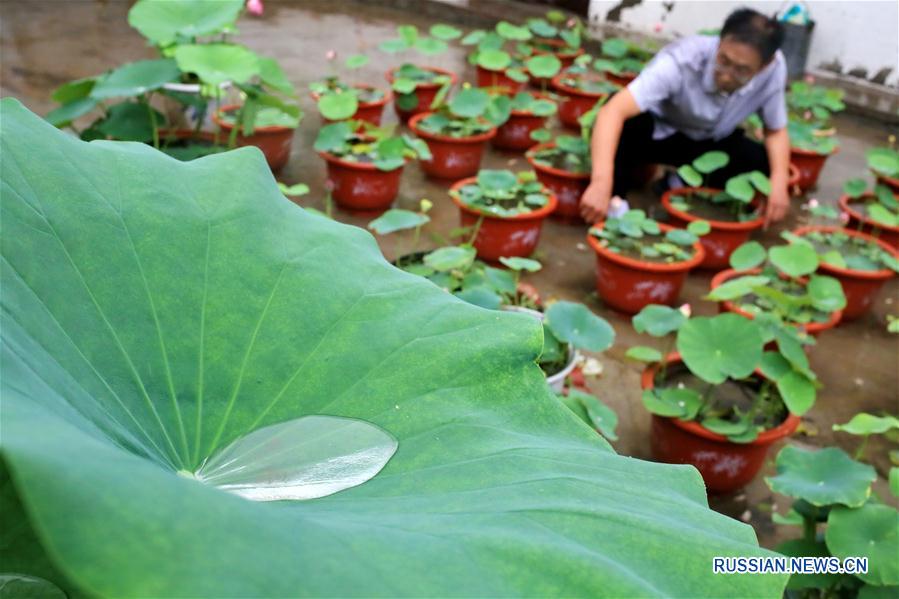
[46, 43]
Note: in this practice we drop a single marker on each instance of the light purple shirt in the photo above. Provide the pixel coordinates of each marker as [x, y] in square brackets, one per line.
[678, 88]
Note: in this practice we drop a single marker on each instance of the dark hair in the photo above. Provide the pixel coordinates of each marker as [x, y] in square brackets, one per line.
[754, 29]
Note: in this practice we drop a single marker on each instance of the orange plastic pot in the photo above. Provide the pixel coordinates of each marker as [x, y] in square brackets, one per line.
[575, 102]
[630, 285]
[490, 78]
[812, 328]
[515, 134]
[370, 112]
[275, 142]
[890, 182]
[361, 187]
[809, 165]
[451, 157]
[860, 221]
[503, 236]
[860, 286]
[425, 92]
[724, 237]
[725, 466]
[567, 187]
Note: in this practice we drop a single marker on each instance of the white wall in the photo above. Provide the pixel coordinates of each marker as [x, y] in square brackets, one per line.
[861, 33]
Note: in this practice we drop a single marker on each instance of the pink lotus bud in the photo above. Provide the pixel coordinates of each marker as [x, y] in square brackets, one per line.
[844, 217]
[329, 185]
[571, 23]
[685, 310]
[617, 207]
[809, 79]
[658, 27]
[813, 203]
[254, 7]
[807, 114]
[331, 54]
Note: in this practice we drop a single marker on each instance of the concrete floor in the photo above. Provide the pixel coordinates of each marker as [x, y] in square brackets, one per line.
[46, 43]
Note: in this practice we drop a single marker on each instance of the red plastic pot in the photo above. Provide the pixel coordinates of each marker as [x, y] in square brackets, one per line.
[809, 165]
[859, 286]
[725, 466]
[630, 285]
[275, 142]
[370, 112]
[860, 221]
[812, 328]
[793, 180]
[890, 182]
[722, 240]
[490, 78]
[503, 236]
[622, 79]
[452, 157]
[424, 91]
[567, 187]
[361, 187]
[575, 103]
[515, 134]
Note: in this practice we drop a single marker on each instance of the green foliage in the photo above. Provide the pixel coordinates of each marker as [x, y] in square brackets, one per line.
[592, 411]
[867, 424]
[883, 161]
[470, 112]
[803, 136]
[135, 78]
[636, 235]
[822, 477]
[503, 193]
[747, 256]
[165, 23]
[395, 220]
[724, 346]
[152, 320]
[658, 321]
[575, 324]
[362, 142]
[814, 104]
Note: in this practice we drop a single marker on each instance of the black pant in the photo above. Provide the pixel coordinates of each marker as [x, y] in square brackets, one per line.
[637, 148]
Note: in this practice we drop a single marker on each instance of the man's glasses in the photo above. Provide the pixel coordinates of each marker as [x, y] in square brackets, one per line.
[739, 73]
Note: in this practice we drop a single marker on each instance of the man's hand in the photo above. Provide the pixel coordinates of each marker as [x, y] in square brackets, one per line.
[778, 204]
[595, 202]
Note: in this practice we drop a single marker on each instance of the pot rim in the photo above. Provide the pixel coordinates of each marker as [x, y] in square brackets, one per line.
[715, 224]
[812, 153]
[811, 328]
[388, 96]
[846, 204]
[217, 119]
[332, 159]
[890, 181]
[538, 214]
[556, 82]
[655, 267]
[425, 84]
[767, 437]
[191, 88]
[474, 139]
[551, 169]
[882, 274]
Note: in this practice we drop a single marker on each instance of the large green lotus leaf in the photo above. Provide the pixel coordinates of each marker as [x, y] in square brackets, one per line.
[218, 63]
[822, 476]
[870, 531]
[136, 78]
[155, 311]
[166, 22]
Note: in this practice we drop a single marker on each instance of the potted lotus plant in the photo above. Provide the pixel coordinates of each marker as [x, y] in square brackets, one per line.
[875, 211]
[833, 491]
[508, 208]
[733, 213]
[556, 35]
[721, 400]
[621, 60]
[581, 88]
[458, 131]
[860, 262]
[780, 284]
[496, 65]
[338, 100]
[528, 113]
[416, 88]
[564, 166]
[884, 163]
[812, 136]
[365, 163]
[641, 262]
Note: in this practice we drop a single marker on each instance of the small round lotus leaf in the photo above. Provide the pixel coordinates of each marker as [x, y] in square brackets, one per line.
[644, 354]
[807, 548]
[519, 264]
[497, 179]
[872, 531]
[444, 32]
[711, 161]
[543, 65]
[721, 347]
[749, 255]
[338, 106]
[494, 60]
[574, 323]
[822, 477]
[794, 260]
[868, 424]
[397, 220]
[658, 320]
[469, 103]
